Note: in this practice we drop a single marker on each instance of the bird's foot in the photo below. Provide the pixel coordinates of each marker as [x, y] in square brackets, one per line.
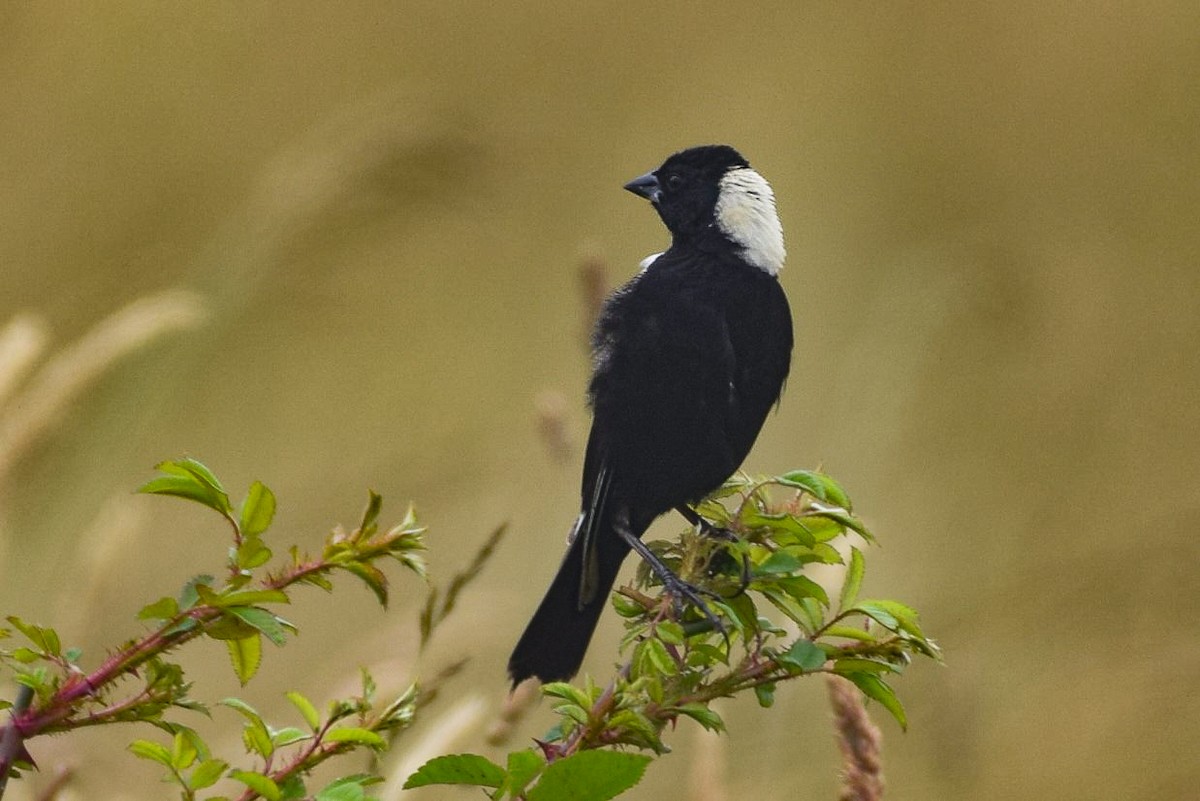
[724, 535]
[680, 590]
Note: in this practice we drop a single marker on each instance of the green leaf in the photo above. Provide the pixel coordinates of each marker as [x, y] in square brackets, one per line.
[653, 653]
[802, 587]
[155, 752]
[589, 776]
[818, 485]
[257, 510]
[189, 596]
[778, 522]
[765, 693]
[877, 689]
[252, 553]
[853, 580]
[347, 788]
[252, 597]
[372, 576]
[289, 735]
[523, 766]
[356, 735]
[306, 708]
[274, 628]
[780, 561]
[163, 609]
[342, 791]
[371, 513]
[206, 774]
[567, 692]
[892, 615]
[457, 769]
[850, 633]
[804, 655]
[45, 638]
[189, 479]
[844, 518]
[670, 632]
[245, 655]
[259, 783]
[703, 715]
[25, 655]
[183, 753]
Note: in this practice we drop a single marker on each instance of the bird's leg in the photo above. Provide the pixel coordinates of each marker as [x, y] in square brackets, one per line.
[717, 533]
[673, 584]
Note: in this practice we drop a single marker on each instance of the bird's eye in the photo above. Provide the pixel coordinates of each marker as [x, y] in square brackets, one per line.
[674, 181]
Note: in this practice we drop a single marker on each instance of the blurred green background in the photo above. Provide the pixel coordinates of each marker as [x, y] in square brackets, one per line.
[992, 217]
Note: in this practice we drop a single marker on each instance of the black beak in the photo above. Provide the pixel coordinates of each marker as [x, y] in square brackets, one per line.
[646, 186]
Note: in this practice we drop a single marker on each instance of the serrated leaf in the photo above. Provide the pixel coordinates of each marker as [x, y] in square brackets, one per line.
[781, 561]
[245, 655]
[853, 579]
[252, 597]
[523, 766]
[260, 784]
[850, 633]
[197, 468]
[271, 626]
[183, 752]
[802, 587]
[155, 752]
[189, 596]
[655, 654]
[877, 689]
[892, 615]
[356, 735]
[778, 522]
[206, 774]
[342, 792]
[852, 664]
[25, 655]
[373, 577]
[818, 485]
[45, 638]
[252, 553]
[288, 735]
[306, 709]
[371, 513]
[566, 691]
[589, 776]
[163, 609]
[670, 632]
[844, 518]
[703, 715]
[457, 769]
[189, 479]
[258, 510]
[804, 655]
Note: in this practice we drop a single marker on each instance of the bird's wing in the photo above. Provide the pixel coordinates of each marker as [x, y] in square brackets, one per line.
[596, 473]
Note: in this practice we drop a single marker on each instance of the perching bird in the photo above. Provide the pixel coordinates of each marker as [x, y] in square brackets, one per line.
[688, 358]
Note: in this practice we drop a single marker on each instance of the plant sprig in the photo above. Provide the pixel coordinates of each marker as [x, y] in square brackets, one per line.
[241, 610]
[677, 664]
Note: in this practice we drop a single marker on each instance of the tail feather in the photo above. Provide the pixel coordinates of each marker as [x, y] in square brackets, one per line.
[556, 639]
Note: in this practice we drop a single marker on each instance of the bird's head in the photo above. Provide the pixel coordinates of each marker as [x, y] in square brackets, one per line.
[711, 193]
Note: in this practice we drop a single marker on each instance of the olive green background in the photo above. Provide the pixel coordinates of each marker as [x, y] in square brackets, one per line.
[992, 219]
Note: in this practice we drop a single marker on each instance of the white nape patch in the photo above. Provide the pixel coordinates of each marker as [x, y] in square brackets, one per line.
[646, 262]
[746, 214]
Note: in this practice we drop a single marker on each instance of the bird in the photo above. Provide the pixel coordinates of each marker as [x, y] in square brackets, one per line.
[688, 359]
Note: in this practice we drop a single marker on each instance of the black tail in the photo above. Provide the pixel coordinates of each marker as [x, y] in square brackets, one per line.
[557, 637]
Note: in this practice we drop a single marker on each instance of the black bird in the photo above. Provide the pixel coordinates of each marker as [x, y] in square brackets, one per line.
[688, 358]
